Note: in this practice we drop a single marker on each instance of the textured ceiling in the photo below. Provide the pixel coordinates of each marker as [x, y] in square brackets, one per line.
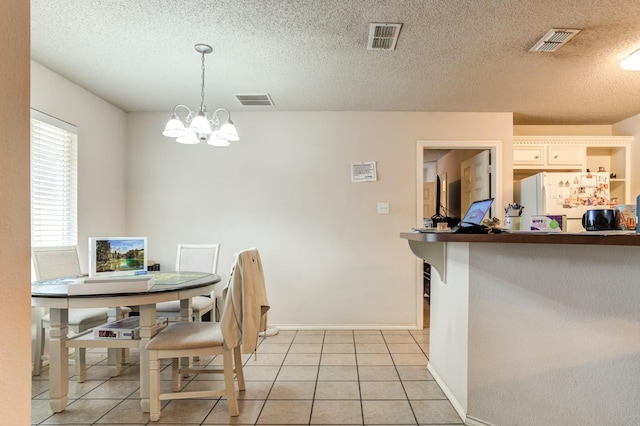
[310, 55]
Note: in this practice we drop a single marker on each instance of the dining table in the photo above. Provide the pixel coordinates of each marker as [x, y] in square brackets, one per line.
[54, 295]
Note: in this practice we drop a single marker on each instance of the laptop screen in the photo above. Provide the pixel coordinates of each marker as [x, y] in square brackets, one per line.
[477, 211]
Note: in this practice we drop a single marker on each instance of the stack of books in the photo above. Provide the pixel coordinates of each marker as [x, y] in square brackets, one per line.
[124, 284]
[126, 328]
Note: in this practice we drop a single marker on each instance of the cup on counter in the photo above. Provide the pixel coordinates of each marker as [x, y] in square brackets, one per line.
[442, 226]
[626, 217]
[512, 223]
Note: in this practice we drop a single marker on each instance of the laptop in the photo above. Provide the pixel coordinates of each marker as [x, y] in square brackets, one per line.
[471, 223]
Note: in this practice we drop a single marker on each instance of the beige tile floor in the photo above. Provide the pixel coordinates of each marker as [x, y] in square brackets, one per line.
[319, 377]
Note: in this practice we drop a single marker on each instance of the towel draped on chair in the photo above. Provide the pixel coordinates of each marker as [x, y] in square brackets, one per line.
[248, 303]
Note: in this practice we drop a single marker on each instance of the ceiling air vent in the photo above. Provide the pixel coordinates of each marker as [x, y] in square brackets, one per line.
[383, 36]
[255, 99]
[553, 40]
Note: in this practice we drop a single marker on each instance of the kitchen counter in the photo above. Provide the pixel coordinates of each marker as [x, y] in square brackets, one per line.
[614, 238]
[535, 329]
[435, 254]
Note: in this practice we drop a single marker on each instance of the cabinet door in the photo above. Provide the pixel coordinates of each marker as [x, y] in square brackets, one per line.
[528, 155]
[566, 156]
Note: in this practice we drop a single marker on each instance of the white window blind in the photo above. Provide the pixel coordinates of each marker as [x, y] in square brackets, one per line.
[54, 186]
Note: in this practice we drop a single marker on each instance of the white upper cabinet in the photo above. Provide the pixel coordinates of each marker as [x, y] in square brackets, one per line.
[530, 155]
[571, 155]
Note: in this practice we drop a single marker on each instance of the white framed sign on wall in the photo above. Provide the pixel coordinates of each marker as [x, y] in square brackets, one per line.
[363, 172]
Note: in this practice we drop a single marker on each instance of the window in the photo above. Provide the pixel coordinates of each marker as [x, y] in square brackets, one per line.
[54, 207]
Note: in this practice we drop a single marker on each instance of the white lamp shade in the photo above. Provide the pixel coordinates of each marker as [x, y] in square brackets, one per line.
[174, 128]
[228, 131]
[216, 140]
[189, 139]
[200, 124]
[631, 62]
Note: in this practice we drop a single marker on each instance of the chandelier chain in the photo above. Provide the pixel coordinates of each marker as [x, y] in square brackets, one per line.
[202, 128]
[202, 86]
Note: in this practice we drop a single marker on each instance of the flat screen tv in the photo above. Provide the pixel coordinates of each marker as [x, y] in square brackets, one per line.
[113, 256]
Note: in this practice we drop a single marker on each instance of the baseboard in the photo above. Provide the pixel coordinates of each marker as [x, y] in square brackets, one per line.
[343, 327]
[471, 421]
[448, 393]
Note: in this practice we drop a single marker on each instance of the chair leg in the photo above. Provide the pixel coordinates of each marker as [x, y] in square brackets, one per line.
[154, 386]
[215, 314]
[81, 365]
[38, 349]
[196, 318]
[175, 374]
[237, 355]
[228, 384]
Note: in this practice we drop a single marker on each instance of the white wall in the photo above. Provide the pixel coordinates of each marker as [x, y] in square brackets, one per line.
[631, 127]
[449, 332]
[329, 258]
[102, 152]
[15, 360]
[554, 334]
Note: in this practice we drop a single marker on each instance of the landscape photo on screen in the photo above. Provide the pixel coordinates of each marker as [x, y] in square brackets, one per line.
[118, 255]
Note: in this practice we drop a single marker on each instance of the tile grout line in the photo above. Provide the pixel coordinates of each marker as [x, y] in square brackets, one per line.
[273, 383]
[387, 340]
[395, 366]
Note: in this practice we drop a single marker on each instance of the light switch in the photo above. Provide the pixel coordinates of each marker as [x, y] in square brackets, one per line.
[383, 208]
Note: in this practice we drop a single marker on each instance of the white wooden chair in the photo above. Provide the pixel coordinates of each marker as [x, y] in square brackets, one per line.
[243, 317]
[59, 262]
[194, 258]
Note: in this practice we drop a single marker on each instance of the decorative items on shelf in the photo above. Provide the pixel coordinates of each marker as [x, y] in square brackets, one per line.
[491, 222]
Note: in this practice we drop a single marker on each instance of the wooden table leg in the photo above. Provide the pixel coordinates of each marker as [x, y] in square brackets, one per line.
[147, 330]
[58, 359]
[114, 356]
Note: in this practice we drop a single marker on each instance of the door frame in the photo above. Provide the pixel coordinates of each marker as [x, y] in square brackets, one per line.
[495, 146]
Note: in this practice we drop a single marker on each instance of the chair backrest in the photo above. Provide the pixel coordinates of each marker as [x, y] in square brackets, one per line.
[55, 262]
[246, 305]
[198, 258]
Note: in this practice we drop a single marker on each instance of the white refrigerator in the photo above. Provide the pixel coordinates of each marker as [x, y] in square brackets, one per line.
[562, 193]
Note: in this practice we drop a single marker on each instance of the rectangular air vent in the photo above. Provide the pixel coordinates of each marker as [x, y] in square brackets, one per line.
[553, 40]
[255, 99]
[383, 36]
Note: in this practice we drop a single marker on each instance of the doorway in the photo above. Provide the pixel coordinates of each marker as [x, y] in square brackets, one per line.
[449, 192]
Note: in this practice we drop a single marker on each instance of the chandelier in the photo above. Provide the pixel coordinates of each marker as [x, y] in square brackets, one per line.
[202, 126]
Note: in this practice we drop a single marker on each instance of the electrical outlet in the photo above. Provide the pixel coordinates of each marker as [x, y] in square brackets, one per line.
[383, 208]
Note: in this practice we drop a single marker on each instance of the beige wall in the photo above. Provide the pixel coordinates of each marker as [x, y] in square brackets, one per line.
[15, 361]
[102, 152]
[553, 341]
[330, 260]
